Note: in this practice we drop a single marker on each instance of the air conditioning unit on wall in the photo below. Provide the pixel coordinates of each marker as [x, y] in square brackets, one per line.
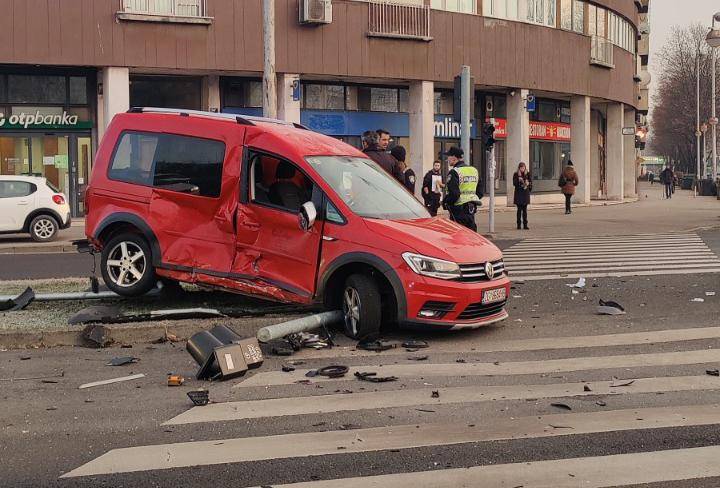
[315, 11]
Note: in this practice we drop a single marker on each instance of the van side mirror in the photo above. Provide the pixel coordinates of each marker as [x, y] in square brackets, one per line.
[307, 216]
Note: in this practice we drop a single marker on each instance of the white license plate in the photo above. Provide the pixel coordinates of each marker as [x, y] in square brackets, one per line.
[492, 296]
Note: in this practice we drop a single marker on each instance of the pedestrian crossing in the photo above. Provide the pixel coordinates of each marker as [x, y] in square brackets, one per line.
[610, 256]
[570, 395]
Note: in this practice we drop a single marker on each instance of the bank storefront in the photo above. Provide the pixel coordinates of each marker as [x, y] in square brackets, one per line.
[46, 128]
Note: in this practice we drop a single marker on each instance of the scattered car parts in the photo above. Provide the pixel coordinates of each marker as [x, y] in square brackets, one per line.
[199, 397]
[223, 354]
[110, 381]
[373, 377]
[13, 304]
[610, 308]
[122, 361]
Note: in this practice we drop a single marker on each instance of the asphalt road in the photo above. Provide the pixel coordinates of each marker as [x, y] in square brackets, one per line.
[496, 387]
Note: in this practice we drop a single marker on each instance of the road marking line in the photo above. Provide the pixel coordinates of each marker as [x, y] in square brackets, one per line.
[610, 275]
[205, 453]
[702, 257]
[589, 472]
[323, 404]
[598, 250]
[622, 237]
[609, 267]
[273, 378]
[629, 245]
[519, 345]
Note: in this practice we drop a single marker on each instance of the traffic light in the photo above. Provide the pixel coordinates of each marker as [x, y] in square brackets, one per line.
[488, 135]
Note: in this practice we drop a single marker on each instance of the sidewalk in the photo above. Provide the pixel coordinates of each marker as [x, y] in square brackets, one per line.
[650, 214]
[23, 243]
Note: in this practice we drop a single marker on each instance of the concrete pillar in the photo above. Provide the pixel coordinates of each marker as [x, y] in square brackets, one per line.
[615, 152]
[115, 95]
[629, 166]
[288, 109]
[422, 126]
[595, 183]
[211, 93]
[518, 138]
[580, 144]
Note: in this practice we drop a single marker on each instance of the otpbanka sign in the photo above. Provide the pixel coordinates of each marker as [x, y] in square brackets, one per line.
[38, 120]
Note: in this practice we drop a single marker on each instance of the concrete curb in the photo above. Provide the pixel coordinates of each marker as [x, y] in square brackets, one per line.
[138, 333]
[39, 249]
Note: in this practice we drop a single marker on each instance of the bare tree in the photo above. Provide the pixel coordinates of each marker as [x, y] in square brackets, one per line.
[673, 122]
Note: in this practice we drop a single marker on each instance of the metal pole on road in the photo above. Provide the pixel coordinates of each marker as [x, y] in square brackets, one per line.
[465, 112]
[697, 127]
[491, 192]
[269, 76]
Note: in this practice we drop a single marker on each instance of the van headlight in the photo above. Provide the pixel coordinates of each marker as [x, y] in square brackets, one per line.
[427, 266]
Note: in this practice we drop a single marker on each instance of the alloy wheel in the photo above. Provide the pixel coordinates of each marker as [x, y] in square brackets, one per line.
[351, 309]
[44, 228]
[126, 264]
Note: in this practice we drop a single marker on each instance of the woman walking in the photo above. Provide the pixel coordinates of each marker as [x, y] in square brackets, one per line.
[567, 182]
[522, 181]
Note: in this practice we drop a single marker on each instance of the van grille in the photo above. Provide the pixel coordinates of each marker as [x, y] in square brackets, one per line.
[472, 273]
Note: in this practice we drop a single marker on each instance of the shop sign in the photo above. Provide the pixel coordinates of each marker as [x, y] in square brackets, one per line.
[548, 131]
[445, 127]
[39, 120]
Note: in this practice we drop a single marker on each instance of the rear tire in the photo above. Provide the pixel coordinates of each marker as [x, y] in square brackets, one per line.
[43, 228]
[362, 307]
[126, 265]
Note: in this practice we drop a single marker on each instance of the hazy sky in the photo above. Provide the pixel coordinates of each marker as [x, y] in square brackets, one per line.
[664, 14]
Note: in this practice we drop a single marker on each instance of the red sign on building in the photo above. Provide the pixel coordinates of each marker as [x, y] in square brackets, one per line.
[547, 131]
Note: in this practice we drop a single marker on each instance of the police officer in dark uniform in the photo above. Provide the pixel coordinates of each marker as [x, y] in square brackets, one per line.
[463, 190]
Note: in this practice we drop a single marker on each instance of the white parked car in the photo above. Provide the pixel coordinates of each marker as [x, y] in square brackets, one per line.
[31, 205]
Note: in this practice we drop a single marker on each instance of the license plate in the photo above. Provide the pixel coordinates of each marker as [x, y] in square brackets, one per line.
[492, 296]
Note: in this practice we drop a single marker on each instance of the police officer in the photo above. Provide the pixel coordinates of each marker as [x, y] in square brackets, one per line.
[463, 190]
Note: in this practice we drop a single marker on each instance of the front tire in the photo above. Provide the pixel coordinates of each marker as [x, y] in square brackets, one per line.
[43, 228]
[362, 307]
[126, 264]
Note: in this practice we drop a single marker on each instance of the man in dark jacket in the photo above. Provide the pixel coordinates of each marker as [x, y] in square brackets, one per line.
[372, 149]
[463, 190]
[668, 178]
[406, 174]
[432, 188]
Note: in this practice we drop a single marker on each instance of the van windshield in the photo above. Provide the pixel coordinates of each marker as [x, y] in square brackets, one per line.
[367, 189]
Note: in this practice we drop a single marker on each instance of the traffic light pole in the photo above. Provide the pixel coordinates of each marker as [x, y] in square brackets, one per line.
[491, 192]
[465, 97]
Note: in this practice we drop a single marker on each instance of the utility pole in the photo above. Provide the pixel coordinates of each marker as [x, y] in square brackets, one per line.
[491, 192]
[269, 76]
[713, 120]
[697, 127]
[466, 100]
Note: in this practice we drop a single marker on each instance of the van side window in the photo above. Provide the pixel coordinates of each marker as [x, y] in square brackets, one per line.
[16, 189]
[278, 183]
[170, 162]
[332, 214]
[133, 158]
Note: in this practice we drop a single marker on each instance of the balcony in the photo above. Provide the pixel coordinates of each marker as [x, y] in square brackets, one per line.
[602, 52]
[399, 20]
[172, 11]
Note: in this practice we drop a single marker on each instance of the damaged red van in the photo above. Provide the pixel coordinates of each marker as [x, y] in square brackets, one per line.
[273, 210]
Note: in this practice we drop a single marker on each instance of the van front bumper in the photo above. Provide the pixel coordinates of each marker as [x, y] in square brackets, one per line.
[461, 303]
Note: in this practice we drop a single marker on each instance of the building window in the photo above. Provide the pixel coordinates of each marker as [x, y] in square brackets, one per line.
[463, 6]
[566, 18]
[578, 16]
[166, 92]
[36, 89]
[324, 97]
[592, 20]
[444, 102]
[241, 93]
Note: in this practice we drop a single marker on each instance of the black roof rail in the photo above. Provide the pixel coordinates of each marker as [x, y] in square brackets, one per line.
[300, 126]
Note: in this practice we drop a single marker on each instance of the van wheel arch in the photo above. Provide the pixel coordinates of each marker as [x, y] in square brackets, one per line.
[119, 223]
[391, 289]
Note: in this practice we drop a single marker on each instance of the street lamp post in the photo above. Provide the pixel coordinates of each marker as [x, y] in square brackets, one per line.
[713, 39]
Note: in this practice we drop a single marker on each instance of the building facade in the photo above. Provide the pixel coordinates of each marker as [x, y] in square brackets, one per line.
[344, 66]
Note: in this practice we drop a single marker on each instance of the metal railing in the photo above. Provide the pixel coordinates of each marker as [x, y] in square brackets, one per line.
[602, 52]
[398, 20]
[177, 8]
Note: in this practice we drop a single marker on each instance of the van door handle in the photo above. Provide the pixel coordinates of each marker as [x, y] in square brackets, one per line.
[23, 202]
[251, 225]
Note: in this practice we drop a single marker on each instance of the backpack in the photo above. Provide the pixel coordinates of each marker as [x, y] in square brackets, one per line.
[562, 181]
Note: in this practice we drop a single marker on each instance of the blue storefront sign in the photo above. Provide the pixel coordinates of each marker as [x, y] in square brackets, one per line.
[346, 123]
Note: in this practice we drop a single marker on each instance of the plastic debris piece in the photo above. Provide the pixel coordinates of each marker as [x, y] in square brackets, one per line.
[426, 410]
[601, 403]
[417, 358]
[19, 302]
[373, 378]
[415, 344]
[122, 361]
[99, 335]
[610, 308]
[709, 293]
[624, 383]
[199, 397]
[376, 345]
[435, 394]
[712, 372]
[561, 405]
[698, 300]
[587, 388]
[334, 371]
[175, 380]
[288, 369]
[580, 283]
[95, 313]
[110, 381]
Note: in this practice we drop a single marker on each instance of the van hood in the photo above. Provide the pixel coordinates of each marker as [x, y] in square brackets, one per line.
[438, 238]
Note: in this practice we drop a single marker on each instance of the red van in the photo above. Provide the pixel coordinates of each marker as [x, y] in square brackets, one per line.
[273, 210]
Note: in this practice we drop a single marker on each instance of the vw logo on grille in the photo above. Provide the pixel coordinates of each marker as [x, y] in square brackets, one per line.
[489, 270]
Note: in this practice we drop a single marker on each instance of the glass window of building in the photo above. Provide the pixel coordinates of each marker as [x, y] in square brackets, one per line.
[566, 18]
[404, 100]
[324, 97]
[166, 92]
[578, 16]
[78, 90]
[464, 6]
[601, 22]
[592, 20]
[3, 90]
[565, 114]
[547, 111]
[36, 89]
[376, 99]
[444, 102]
[237, 92]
